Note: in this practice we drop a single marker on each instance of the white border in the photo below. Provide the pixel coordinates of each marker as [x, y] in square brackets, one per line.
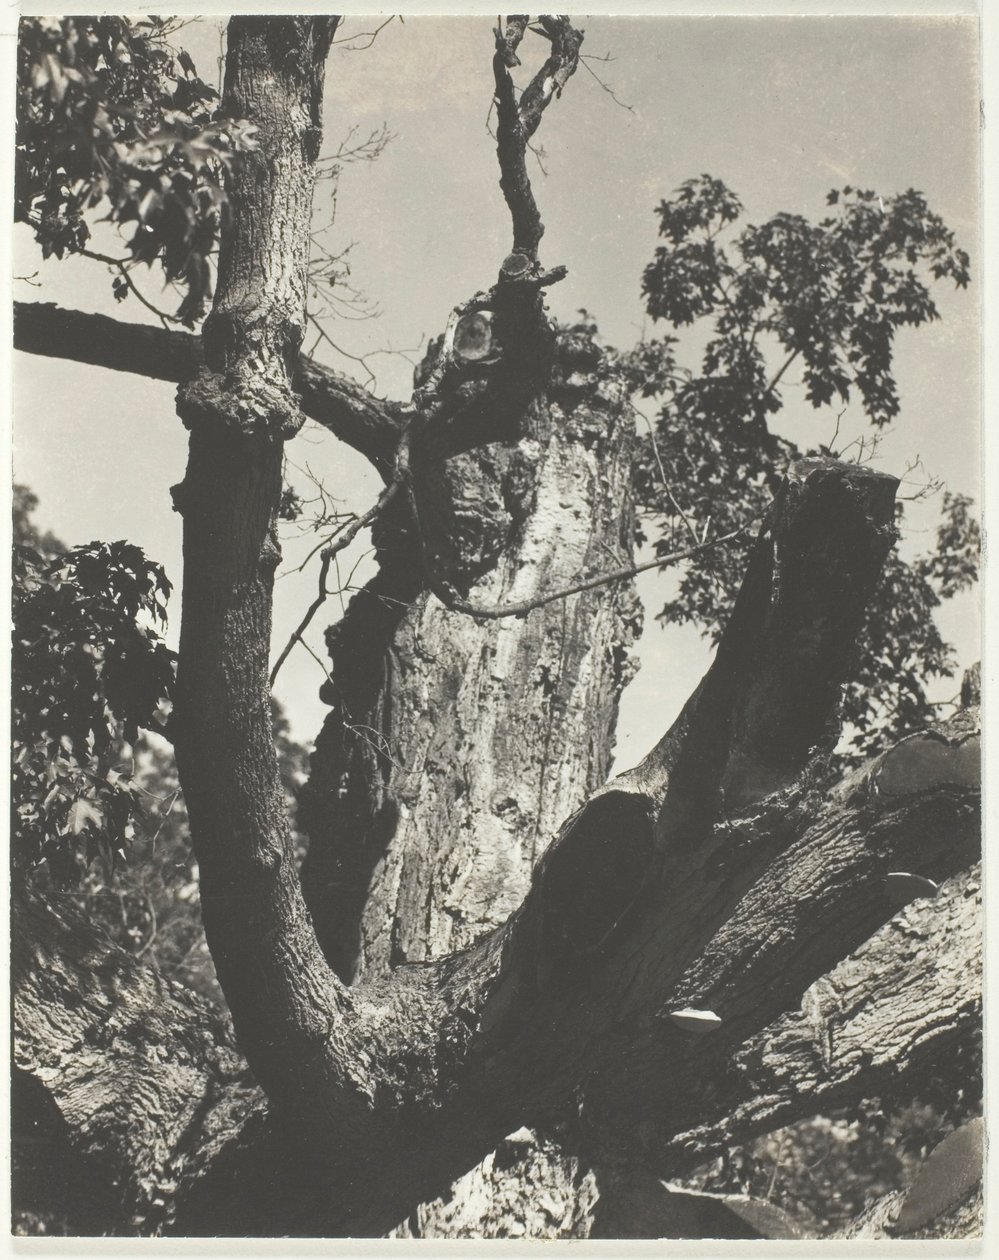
[762, 1249]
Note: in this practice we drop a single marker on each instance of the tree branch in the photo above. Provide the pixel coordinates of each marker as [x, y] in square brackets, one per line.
[141, 1069]
[520, 608]
[516, 124]
[646, 904]
[332, 400]
[875, 1026]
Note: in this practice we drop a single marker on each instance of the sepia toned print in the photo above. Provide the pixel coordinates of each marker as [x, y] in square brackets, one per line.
[495, 694]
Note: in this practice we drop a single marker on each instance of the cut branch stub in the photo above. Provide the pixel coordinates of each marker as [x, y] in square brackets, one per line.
[771, 697]
[927, 760]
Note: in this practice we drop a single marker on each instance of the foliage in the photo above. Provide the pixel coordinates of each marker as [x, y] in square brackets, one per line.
[88, 673]
[151, 904]
[830, 296]
[98, 807]
[110, 117]
[825, 1171]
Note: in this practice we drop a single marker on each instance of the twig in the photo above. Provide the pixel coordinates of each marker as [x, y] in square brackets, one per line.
[344, 540]
[323, 542]
[370, 36]
[324, 336]
[606, 87]
[153, 924]
[164, 319]
[666, 486]
[163, 822]
[778, 1157]
[775, 379]
[453, 601]
[318, 660]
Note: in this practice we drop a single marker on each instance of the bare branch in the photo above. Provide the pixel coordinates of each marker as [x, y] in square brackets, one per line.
[605, 86]
[517, 122]
[370, 36]
[331, 399]
[851, 1039]
[342, 541]
[666, 485]
[554, 74]
[521, 608]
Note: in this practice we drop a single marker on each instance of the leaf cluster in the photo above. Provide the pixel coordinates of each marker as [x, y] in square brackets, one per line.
[110, 117]
[150, 905]
[89, 670]
[831, 294]
[827, 297]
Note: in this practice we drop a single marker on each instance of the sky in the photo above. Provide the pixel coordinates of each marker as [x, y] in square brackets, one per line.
[781, 109]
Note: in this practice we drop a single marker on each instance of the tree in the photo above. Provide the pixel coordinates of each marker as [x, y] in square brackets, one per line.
[486, 934]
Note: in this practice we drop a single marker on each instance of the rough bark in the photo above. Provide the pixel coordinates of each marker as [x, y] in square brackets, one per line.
[852, 1037]
[643, 1080]
[456, 747]
[716, 875]
[125, 1083]
[240, 409]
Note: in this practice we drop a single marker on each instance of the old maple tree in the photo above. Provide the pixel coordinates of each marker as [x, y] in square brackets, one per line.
[486, 934]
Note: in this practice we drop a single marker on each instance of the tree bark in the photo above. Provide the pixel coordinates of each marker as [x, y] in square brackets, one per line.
[455, 747]
[367, 424]
[550, 1013]
[125, 1083]
[240, 409]
[563, 936]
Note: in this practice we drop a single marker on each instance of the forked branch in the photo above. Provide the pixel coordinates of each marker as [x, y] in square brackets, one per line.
[517, 123]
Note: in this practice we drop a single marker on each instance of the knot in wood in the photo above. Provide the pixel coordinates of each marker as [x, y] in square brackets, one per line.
[246, 405]
[473, 338]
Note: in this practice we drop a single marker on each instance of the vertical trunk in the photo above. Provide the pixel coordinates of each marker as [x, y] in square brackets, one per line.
[456, 747]
[240, 410]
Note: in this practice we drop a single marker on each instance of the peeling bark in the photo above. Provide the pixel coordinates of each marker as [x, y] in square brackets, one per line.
[417, 745]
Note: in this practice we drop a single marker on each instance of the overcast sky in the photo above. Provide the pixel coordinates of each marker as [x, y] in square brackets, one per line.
[782, 110]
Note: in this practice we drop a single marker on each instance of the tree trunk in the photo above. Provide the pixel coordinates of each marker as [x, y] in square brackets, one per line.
[240, 410]
[126, 1084]
[573, 997]
[456, 747]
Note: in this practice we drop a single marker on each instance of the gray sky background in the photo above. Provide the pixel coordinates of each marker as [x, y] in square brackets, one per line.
[781, 109]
